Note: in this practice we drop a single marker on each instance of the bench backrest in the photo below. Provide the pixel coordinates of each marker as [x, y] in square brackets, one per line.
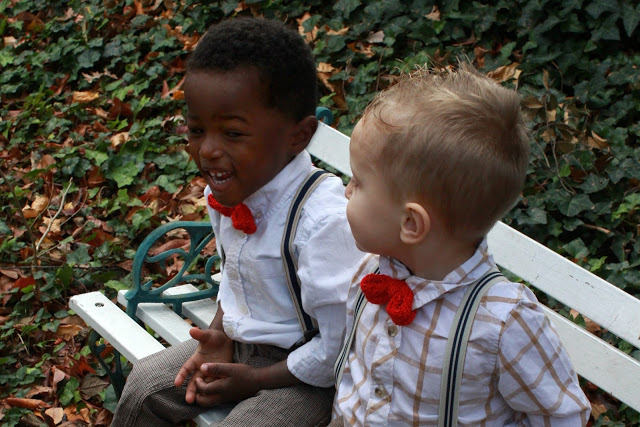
[594, 298]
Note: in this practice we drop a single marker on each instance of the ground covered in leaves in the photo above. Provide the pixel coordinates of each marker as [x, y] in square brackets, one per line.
[92, 149]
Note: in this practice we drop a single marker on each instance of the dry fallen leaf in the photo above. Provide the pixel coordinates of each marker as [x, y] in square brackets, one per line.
[82, 97]
[596, 141]
[74, 415]
[323, 67]
[119, 139]
[58, 375]
[597, 409]
[36, 390]
[56, 415]
[55, 225]
[532, 102]
[434, 15]
[40, 203]
[377, 37]
[91, 386]
[45, 161]
[27, 403]
[68, 331]
[506, 72]
[9, 273]
[590, 325]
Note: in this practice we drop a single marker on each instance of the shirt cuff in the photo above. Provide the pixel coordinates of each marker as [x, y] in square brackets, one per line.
[304, 364]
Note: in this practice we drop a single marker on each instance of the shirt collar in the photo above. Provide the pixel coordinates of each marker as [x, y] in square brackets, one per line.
[425, 290]
[273, 194]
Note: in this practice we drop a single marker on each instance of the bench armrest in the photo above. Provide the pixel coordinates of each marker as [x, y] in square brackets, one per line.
[200, 234]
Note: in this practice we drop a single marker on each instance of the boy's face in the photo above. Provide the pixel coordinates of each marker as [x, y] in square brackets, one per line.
[237, 142]
[374, 215]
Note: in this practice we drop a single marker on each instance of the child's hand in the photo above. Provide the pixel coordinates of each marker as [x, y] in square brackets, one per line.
[214, 346]
[226, 382]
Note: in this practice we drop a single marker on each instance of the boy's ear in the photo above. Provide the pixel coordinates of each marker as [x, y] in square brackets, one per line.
[416, 224]
[302, 133]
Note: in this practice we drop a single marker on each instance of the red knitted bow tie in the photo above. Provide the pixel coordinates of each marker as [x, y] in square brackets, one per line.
[241, 216]
[382, 289]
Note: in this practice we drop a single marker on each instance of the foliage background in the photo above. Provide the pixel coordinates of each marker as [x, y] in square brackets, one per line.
[92, 150]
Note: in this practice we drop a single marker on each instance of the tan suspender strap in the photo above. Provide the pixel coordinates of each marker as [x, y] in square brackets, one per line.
[361, 301]
[309, 326]
[453, 361]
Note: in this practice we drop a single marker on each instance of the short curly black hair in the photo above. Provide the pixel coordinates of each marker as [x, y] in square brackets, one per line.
[283, 60]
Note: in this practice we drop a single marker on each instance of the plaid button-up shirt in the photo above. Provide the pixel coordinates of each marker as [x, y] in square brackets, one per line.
[516, 370]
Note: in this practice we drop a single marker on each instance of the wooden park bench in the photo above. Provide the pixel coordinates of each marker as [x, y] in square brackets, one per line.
[163, 308]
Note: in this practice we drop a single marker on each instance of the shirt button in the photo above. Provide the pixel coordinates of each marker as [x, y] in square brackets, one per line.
[380, 391]
[392, 330]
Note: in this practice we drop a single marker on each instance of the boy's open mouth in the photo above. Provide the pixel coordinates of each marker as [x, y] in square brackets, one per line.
[218, 181]
[220, 177]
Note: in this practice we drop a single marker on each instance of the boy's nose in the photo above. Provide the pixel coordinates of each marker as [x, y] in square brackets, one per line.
[211, 148]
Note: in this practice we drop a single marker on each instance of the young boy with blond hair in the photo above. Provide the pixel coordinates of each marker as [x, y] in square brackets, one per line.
[437, 159]
[251, 94]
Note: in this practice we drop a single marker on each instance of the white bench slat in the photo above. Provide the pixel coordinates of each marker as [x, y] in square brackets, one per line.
[332, 147]
[602, 302]
[113, 324]
[200, 312]
[602, 364]
[162, 319]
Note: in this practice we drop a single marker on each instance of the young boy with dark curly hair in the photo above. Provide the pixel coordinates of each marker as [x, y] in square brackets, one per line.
[437, 159]
[251, 96]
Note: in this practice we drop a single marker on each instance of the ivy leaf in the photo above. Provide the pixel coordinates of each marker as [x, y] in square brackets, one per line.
[6, 58]
[69, 391]
[597, 7]
[228, 6]
[576, 248]
[98, 157]
[65, 273]
[167, 183]
[631, 202]
[594, 183]
[630, 17]
[346, 6]
[140, 218]
[124, 174]
[116, 285]
[576, 204]
[87, 58]
[79, 257]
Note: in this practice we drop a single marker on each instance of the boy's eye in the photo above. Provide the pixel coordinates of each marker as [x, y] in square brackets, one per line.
[193, 131]
[233, 134]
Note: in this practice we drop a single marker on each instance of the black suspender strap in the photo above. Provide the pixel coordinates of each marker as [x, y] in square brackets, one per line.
[358, 308]
[456, 345]
[309, 326]
[453, 361]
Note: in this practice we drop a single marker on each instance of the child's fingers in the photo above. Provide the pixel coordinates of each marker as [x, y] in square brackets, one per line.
[218, 369]
[211, 388]
[192, 389]
[184, 373]
[196, 333]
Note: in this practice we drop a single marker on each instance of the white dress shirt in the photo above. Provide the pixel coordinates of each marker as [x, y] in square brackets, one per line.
[516, 370]
[253, 291]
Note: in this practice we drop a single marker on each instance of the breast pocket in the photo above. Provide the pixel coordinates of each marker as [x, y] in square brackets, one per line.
[266, 287]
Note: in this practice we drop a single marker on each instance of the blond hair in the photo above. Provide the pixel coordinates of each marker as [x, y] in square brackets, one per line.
[455, 140]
